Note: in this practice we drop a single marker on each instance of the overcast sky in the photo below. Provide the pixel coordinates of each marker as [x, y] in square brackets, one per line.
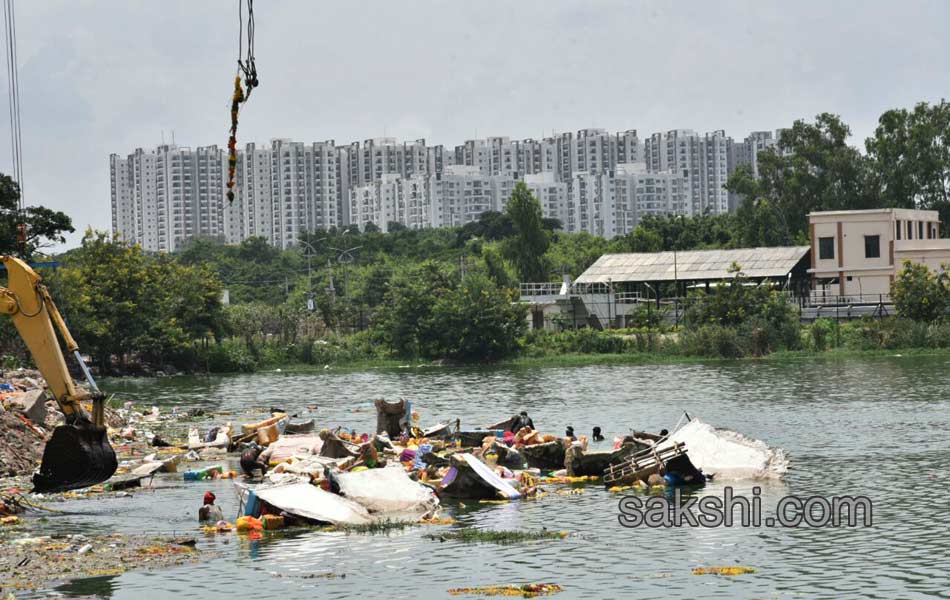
[106, 76]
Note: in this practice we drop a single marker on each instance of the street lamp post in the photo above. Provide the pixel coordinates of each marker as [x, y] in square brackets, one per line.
[310, 253]
[345, 257]
[676, 285]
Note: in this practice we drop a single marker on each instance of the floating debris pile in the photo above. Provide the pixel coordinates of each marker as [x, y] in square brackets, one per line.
[729, 454]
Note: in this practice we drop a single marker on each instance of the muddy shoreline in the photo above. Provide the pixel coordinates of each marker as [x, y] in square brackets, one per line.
[41, 563]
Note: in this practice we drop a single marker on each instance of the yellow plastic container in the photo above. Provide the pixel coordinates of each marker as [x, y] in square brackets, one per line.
[267, 435]
[248, 428]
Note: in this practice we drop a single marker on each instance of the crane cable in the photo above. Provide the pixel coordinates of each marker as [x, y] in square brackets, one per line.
[247, 68]
[16, 137]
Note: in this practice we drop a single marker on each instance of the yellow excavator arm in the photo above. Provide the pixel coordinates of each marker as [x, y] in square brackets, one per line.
[78, 454]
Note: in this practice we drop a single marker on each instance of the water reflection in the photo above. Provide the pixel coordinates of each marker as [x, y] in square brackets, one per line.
[99, 587]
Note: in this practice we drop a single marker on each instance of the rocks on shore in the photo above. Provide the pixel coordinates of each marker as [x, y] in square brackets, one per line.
[27, 417]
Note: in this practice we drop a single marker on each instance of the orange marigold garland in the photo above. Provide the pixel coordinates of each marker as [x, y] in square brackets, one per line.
[236, 99]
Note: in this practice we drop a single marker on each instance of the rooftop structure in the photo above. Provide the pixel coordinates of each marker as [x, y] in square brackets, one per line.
[695, 265]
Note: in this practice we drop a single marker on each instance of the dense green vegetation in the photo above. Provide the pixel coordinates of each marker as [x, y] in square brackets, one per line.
[123, 304]
[920, 294]
[346, 296]
[133, 311]
[44, 227]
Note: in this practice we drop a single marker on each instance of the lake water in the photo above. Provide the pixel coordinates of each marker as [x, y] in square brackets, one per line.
[878, 427]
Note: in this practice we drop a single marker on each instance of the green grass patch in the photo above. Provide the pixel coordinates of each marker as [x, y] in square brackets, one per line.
[839, 353]
[373, 528]
[581, 360]
[487, 536]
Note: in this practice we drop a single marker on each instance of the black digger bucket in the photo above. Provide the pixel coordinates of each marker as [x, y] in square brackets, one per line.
[76, 456]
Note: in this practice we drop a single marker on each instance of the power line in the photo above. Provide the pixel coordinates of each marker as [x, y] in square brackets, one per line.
[16, 136]
[13, 89]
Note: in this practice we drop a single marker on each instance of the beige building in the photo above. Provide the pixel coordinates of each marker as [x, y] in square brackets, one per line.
[858, 252]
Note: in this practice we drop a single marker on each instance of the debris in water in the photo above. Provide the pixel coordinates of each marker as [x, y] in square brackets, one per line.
[528, 590]
[730, 571]
[497, 537]
[437, 521]
[729, 454]
[248, 523]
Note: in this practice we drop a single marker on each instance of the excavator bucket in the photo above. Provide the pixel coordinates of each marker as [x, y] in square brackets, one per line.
[76, 456]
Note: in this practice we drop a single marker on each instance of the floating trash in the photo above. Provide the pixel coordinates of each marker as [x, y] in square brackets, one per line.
[729, 571]
[473, 535]
[528, 590]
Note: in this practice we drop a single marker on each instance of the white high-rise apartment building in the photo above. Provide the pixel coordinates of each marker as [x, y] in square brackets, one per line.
[362, 164]
[374, 202]
[592, 204]
[209, 212]
[251, 213]
[627, 148]
[304, 186]
[164, 197]
[474, 153]
[590, 180]
[285, 189]
[393, 199]
[502, 187]
[640, 193]
[126, 219]
[456, 197]
[590, 151]
[714, 170]
[492, 156]
[553, 195]
[703, 161]
[538, 156]
[460, 195]
[746, 153]
[437, 158]
[676, 151]
[376, 157]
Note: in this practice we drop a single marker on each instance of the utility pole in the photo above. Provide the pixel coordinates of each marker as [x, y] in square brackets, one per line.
[330, 289]
[345, 257]
[610, 300]
[676, 285]
[310, 252]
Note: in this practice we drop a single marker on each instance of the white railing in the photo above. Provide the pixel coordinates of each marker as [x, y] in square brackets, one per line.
[816, 300]
[541, 289]
[629, 298]
[590, 288]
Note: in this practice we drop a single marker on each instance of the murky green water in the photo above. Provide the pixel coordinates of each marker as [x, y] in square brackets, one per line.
[878, 427]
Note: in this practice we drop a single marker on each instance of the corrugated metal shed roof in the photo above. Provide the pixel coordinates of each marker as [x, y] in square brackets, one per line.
[692, 265]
